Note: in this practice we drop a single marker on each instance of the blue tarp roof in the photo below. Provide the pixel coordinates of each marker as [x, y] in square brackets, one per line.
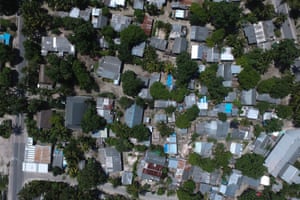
[5, 37]
[228, 108]
[170, 148]
[169, 81]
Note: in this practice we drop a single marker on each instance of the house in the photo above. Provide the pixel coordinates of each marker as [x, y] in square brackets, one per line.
[147, 25]
[204, 149]
[138, 50]
[83, 14]
[231, 97]
[98, 20]
[75, 109]
[280, 160]
[228, 71]
[158, 43]
[36, 157]
[263, 144]
[103, 43]
[202, 103]
[170, 146]
[190, 100]
[43, 119]
[236, 149]
[44, 81]
[59, 45]
[267, 98]
[178, 5]
[200, 176]
[160, 117]
[179, 46]
[110, 68]
[102, 133]
[58, 158]
[226, 54]
[182, 170]
[120, 22]
[5, 38]
[115, 3]
[127, 178]
[295, 68]
[202, 52]
[214, 129]
[151, 167]
[260, 32]
[248, 97]
[138, 4]
[199, 33]
[250, 112]
[177, 31]
[158, 3]
[164, 103]
[134, 115]
[110, 160]
[145, 94]
[104, 108]
[181, 14]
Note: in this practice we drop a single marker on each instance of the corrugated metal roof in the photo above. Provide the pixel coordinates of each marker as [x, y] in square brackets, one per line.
[134, 115]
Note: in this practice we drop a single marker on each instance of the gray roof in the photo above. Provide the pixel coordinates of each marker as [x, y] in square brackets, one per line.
[100, 22]
[155, 77]
[134, 115]
[75, 109]
[138, 50]
[85, 14]
[177, 4]
[159, 44]
[248, 97]
[212, 55]
[103, 43]
[158, 3]
[205, 188]
[120, 22]
[224, 71]
[43, 119]
[251, 182]
[199, 33]
[138, 4]
[269, 29]
[127, 178]
[206, 148]
[284, 152]
[145, 93]
[58, 158]
[153, 157]
[190, 100]
[216, 129]
[109, 67]
[160, 117]
[59, 45]
[291, 175]
[164, 103]
[180, 45]
[267, 98]
[178, 30]
[110, 159]
[231, 96]
[250, 34]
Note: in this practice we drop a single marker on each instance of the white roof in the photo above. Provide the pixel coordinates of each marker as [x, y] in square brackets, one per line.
[194, 53]
[74, 13]
[35, 167]
[96, 11]
[179, 14]
[226, 54]
[236, 148]
[265, 180]
[252, 113]
[115, 3]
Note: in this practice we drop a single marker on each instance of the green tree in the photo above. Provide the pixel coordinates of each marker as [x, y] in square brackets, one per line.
[9, 7]
[83, 78]
[199, 14]
[91, 121]
[284, 54]
[164, 129]
[6, 79]
[273, 125]
[248, 78]
[32, 51]
[125, 102]
[91, 175]
[6, 54]
[159, 91]
[284, 112]
[140, 132]
[216, 38]
[115, 181]
[6, 128]
[139, 15]
[131, 84]
[186, 69]
[150, 61]
[251, 165]
[222, 116]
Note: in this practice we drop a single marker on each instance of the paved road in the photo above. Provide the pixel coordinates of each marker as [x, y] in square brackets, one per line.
[19, 44]
[288, 28]
[15, 168]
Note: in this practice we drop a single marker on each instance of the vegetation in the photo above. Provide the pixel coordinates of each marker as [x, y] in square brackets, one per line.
[251, 165]
[159, 91]
[248, 78]
[222, 116]
[164, 129]
[284, 112]
[184, 120]
[186, 69]
[91, 121]
[5, 54]
[273, 125]
[91, 175]
[125, 102]
[216, 90]
[131, 84]
[186, 191]
[276, 87]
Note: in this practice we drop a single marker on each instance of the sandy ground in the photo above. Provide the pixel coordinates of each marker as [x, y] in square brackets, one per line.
[5, 155]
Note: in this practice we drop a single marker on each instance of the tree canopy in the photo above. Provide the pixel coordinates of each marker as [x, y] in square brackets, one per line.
[186, 69]
[159, 91]
[91, 175]
[91, 121]
[131, 84]
[184, 120]
[251, 165]
[276, 87]
[248, 78]
[284, 53]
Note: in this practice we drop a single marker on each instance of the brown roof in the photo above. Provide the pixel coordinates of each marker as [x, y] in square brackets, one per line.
[189, 2]
[42, 154]
[43, 119]
[153, 170]
[147, 25]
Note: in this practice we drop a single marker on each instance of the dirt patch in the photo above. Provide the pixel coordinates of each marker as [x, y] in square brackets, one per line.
[5, 155]
[272, 72]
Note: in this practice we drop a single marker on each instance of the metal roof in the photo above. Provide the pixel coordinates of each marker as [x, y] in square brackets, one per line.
[250, 34]
[110, 160]
[134, 115]
[199, 33]
[127, 178]
[159, 44]
[248, 97]
[138, 4]
[180, 45]
[57, 44]
[138, 50]
[153, 157]
[267, 98]
[109, 67]
[120, 22]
